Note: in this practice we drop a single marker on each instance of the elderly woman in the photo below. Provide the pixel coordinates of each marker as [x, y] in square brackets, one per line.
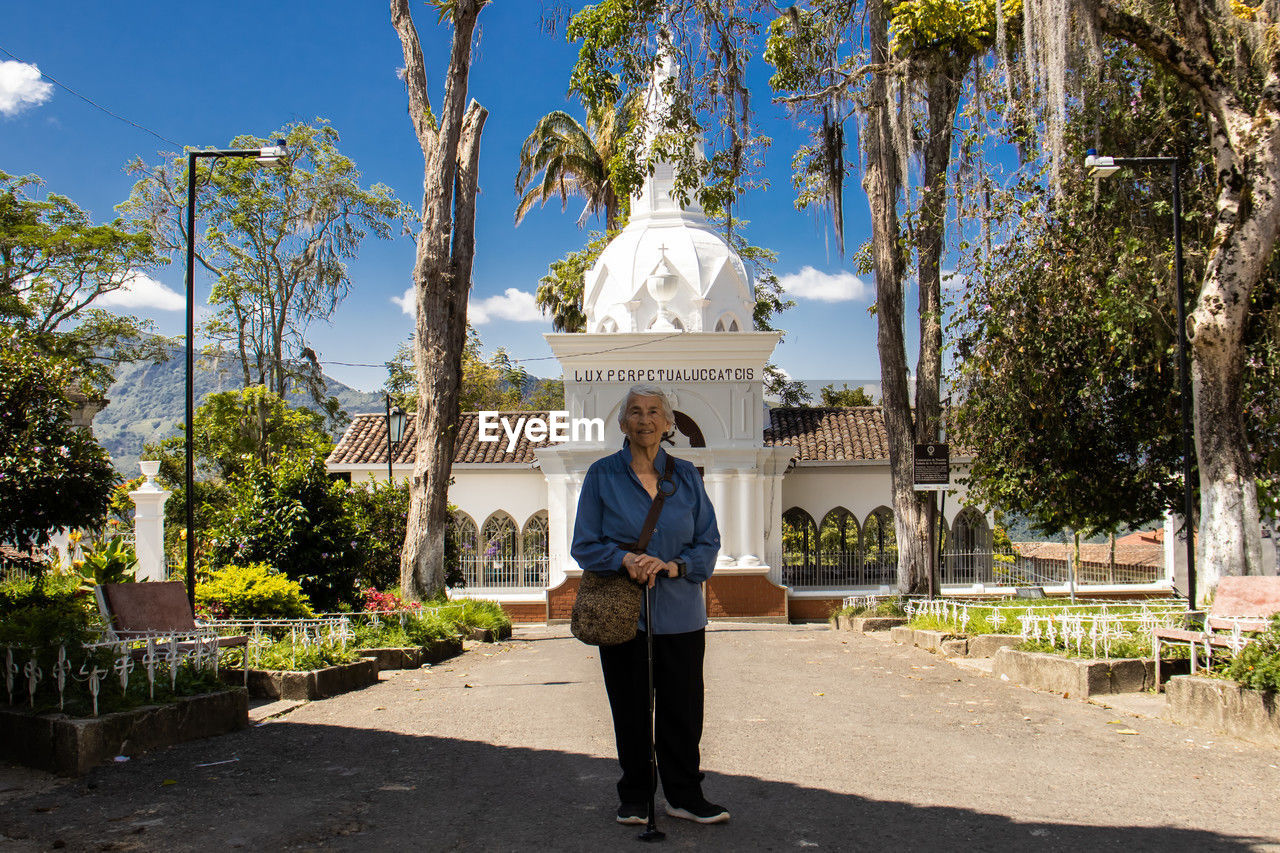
[681, 554]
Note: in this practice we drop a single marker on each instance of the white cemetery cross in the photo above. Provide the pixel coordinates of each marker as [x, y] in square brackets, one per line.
[148, 525]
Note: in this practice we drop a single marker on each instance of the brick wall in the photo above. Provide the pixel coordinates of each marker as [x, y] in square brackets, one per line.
[813, 609]
[523, 612]
[751, 596]
[560, 601]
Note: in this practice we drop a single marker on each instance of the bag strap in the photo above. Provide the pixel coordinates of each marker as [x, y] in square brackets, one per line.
[655, 508]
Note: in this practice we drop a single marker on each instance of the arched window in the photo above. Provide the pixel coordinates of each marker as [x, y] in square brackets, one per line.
[838, 546]
[607, 326]
[500, 551]
[969, 549]
[799, 548]
[462, 537]
[727, 323]
[880, 547]
[535, 551]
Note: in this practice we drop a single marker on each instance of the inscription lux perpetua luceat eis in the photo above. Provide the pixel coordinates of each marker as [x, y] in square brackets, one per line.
[665, 374]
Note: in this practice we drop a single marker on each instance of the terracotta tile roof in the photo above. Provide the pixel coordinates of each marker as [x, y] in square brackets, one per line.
[1130, 551]
[852, 434]
[365, 442]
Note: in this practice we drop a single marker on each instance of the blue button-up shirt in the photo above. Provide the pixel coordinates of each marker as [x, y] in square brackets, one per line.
[611, 513]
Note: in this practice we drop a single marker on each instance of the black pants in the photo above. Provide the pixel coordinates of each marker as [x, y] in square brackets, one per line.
[677, 679]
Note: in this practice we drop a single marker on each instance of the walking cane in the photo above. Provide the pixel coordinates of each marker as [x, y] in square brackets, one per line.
[651, 831]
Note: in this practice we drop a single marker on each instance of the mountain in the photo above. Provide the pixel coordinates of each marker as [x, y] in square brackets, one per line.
[148, 403]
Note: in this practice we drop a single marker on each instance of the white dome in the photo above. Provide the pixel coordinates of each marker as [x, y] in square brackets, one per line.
[713, 290]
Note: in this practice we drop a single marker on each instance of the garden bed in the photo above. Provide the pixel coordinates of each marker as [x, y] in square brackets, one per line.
[74, 745]
[954, 645]
[1074, 677]
[412, 657]
[488, 635]
[841, 622]
[314, 684]
[1225, 706]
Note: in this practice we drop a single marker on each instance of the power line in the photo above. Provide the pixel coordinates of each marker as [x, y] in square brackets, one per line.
[92, 102]
[537, 358]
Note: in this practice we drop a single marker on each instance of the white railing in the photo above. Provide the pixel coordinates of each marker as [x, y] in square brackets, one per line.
[1099, 625]
[87, 666]
[505, 572]
[998, 567]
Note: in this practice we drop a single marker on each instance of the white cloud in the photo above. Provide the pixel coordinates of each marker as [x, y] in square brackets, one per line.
[142, 291]
[953, 281]
[408, 303]
[809, 283]
[512, 304]
[21, 87]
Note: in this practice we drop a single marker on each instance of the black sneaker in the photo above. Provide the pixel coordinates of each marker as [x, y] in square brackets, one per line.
[699, 812]
[633, 814]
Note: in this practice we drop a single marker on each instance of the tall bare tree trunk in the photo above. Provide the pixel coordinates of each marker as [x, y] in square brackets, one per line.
[1244, 237]
[942, 99]
[442, 283]
[883, 183]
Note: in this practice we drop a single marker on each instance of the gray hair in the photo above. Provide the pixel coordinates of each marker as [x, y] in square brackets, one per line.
[647, 391]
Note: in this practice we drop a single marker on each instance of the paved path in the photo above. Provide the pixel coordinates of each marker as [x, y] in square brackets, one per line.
[814, 739]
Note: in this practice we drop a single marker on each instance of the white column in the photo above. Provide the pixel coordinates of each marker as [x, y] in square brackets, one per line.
[148, 525]
[718, 492]
[746, 516]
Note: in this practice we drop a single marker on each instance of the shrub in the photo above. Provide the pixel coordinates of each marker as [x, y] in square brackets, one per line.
[1258, 664]
[287, 655]
[414, 629]
[112, 561]
[46, 612]
[381, 513]
[375, 601]
[476, 613]
[251, 591]
[295, 518]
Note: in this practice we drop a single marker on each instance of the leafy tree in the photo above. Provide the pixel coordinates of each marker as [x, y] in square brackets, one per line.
[1069, 372]
[846, 396]
[294, 518]
[277, 239]
[54, 263]
[238, 431]
[495, 382]
[52, 475]
[1225, 59]
[560, 291]
[574, 160]
[450, 146]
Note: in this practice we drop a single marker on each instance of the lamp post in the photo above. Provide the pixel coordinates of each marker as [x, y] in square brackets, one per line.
[395, 431]
[1102, 167]
[269, 154]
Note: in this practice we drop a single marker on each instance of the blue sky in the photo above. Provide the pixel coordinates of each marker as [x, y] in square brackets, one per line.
[200, 76]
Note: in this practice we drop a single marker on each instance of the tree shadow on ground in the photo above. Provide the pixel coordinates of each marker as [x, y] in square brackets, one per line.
[328, 787]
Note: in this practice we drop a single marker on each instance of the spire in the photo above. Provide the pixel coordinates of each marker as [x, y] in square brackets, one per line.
[655, 197]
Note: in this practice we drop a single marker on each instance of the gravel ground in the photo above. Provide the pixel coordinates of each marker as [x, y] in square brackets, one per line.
[814, 739]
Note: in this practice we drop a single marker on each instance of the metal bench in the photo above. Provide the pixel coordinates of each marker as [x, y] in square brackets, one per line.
[1241, 606]
[142, 611]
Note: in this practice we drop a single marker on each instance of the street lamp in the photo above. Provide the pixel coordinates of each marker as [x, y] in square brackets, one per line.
[266, 156]
[395, 431]
[1102, 167]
